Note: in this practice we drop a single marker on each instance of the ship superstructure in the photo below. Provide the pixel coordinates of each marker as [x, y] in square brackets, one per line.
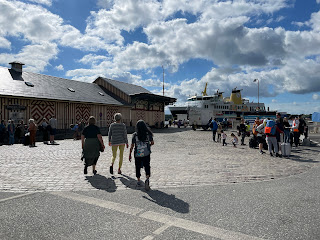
[201, 108]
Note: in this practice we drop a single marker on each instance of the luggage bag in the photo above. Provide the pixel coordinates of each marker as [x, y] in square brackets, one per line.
[285, 149]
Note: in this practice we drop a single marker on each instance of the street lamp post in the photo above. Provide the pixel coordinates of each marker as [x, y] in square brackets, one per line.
[257, 80]
[162, 80]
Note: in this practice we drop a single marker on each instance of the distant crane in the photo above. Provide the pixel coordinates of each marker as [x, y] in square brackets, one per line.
[204, 92]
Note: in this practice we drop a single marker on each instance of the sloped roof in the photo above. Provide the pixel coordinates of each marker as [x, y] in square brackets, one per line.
[127, 88]
[48, 87]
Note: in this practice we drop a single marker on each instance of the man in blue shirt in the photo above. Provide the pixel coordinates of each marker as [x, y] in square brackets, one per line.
[214, 127]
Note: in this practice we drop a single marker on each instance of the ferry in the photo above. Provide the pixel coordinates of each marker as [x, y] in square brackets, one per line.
[202, 108]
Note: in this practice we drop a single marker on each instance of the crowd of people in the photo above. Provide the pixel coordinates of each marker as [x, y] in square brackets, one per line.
[268, 134]
[25, 133]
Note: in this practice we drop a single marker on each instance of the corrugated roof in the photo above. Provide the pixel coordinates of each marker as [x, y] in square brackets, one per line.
[48, 87]
[129, 89]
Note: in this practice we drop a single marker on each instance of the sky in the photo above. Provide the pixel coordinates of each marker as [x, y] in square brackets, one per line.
[224, 43]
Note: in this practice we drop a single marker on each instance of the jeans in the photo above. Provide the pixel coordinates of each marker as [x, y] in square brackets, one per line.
[214, 135]
[272, 141]
[11, 138]
[287, 135]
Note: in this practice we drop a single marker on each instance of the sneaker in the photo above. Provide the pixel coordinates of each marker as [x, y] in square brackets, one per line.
[278, 155]
[271, 154]
[262, 152]
[119, 171]
[94, 172]
[111, 169]
[85, 170]
[147, 185]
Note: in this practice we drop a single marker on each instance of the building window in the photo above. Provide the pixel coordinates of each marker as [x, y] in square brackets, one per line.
[29, 84]
[71, 89]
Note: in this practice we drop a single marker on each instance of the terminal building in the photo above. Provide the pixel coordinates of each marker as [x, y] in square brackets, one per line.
[25, 95]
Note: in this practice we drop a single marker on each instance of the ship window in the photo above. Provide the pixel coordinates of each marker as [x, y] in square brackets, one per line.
[29, 84]
[71, 89]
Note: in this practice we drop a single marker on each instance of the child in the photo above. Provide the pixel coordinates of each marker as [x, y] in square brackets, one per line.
[142, 140]
[219, 131]
[234, 140]
[224, 138]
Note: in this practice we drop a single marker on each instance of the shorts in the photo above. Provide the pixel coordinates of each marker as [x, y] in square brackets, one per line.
[260, 139]
[52, 131]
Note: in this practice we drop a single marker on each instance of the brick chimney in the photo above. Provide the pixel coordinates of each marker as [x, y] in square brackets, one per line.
[17, 66]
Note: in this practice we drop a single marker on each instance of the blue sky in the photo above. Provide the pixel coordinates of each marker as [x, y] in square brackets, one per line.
[224, 43]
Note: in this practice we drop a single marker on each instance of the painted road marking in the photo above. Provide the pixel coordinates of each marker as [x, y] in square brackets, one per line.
[17, 196]
[196, 227]
[101, 203]
[157, 232]
[167, 220]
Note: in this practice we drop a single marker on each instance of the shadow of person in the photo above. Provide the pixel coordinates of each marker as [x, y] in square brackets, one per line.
[156, 196]
[101, 182]
[130, 182]
[168, 201]
[300, 159]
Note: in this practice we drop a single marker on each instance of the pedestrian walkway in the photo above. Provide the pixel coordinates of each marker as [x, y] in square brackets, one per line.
[179, 158]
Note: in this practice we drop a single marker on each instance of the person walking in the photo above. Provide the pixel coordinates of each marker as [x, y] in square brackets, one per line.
[2, 132]
[295, 129]
[242, 131]
[33, 130]
[214, 128]
[53, 128]
[219, 131]
[44, 128]
[142, 140]
[11, 130]
[117, 139]
[286, 130]
[92, 143]
[224, 138]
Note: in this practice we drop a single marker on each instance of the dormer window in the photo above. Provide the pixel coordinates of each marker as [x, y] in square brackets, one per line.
[102, 94]
[71, 89]
[29, 84]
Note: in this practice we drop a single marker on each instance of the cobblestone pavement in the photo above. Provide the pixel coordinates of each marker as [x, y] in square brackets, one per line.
[180, 157]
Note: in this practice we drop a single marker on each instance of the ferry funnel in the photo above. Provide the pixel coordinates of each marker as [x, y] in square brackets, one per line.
[236, 96]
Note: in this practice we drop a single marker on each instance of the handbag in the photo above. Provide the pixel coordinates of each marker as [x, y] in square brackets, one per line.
[101, 148]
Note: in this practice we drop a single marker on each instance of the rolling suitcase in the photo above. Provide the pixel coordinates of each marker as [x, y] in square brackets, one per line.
[285, 148]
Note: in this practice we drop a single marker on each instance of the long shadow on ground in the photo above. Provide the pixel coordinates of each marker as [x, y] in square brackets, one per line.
[101, 182]
[158, 197]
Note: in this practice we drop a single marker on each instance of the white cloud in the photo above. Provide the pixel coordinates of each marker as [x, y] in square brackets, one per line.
[44, 2]
[274, 100]
[105, 3]
[59, 68]
[315, 96]
[35, 57]
[4, 43]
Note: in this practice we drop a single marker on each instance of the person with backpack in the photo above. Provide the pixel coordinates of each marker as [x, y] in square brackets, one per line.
[142, 140]
[214, 128]
[270, 130]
